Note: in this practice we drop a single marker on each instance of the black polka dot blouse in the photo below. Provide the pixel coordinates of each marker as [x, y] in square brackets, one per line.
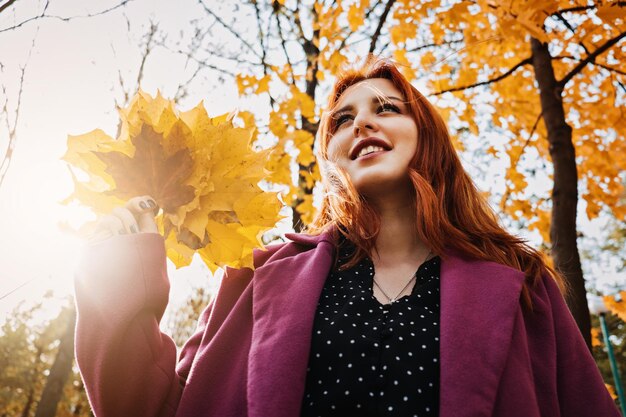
[370, 359]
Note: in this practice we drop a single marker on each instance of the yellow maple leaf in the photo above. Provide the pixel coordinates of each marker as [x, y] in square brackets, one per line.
[201, 171]
[609, 12]
[616, 307]
[306, 209]
[611, 391]
[356, 15]
[596, 338]
[277, 124]
[405, 27]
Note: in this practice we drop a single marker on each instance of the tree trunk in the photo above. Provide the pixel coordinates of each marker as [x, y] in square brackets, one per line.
[563, 231]
[312, 53]
[29, 402]
[59, 373]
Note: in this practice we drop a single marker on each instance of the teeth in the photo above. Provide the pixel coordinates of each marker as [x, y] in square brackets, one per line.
[369, 149]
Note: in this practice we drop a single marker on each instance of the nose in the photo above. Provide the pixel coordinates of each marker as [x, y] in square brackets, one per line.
[362, 121]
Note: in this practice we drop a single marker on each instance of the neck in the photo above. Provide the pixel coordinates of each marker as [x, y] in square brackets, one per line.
[397, 239]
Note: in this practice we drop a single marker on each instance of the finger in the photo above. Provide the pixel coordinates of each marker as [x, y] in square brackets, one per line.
[142, 204]
[129, 222]
[144, 209]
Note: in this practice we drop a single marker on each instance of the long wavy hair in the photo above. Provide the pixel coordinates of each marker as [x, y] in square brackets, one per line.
[450, 212]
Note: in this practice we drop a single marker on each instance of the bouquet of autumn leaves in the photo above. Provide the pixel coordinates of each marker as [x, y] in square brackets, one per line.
[201, 171]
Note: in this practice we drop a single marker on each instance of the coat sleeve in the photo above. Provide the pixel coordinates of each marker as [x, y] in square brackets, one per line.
[581, 390]
[127, 364]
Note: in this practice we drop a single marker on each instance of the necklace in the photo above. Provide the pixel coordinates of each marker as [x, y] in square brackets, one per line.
[394, 299]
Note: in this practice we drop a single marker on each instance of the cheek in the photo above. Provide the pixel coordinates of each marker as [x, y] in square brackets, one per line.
[336, 149]
[411, 143]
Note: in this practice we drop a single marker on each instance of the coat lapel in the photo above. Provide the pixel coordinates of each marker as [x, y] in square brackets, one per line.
[478, 304]
[285, 296]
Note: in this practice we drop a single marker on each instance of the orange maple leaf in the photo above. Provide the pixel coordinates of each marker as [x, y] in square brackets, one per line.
[151, 171]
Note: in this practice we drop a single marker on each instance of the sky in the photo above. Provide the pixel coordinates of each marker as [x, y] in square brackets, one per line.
[71, 84]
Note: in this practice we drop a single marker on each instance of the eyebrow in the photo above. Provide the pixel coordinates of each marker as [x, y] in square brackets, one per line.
[375, 100]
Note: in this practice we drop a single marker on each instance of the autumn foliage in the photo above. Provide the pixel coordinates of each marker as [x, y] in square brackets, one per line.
[537, 84]
[617, 307]
[201, 171]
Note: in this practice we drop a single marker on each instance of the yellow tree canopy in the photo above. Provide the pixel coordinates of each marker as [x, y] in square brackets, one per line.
[469, 50]
[462, 50]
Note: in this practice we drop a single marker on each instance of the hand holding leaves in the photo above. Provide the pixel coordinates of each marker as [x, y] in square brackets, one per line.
[201, 171]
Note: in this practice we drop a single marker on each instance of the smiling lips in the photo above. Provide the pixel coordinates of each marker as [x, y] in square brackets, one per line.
[367, 146]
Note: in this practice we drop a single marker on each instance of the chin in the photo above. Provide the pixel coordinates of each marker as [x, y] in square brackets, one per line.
[378, 184]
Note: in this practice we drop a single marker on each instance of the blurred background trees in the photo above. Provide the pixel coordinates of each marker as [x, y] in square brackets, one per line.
[533, 92]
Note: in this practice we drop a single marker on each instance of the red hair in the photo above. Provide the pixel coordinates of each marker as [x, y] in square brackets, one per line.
[450, 212]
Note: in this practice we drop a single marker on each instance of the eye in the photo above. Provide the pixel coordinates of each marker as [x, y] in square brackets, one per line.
[341, 119]
[388, 107]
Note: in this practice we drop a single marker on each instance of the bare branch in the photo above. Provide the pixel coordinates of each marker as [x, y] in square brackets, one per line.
[181, 90]
[312, 53]
[229, 28]
[615, 80]
[591, 58]
[205, 64]
[235, 59]
[262, 40]
[458, 51]
[575, 9]
[257, 13]
[490, 81]
[606, 67]
[434, 45]
[560, 17]
[284, 46]
[120, 78]
[586, 8]
[43, 15]
[12, 130]
[345, 40]
[381, 23]
[128, 91]
[298, 22]
[611, 69]
[28, 281]
[6, 5]
[371, 9]
[215, 68]
[507, 192]
[149, 39]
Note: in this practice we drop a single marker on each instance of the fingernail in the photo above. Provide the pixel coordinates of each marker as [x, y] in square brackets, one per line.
[133, 228]
[151, 204]
[122, 232]
[143, 205]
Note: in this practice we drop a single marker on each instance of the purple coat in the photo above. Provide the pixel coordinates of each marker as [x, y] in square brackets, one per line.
[250, 352]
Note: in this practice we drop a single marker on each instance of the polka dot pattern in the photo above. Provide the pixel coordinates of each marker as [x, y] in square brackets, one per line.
[370, 359]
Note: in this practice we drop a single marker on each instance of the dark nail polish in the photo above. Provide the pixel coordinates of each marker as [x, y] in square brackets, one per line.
[151, 204]
[133, 228]
[143, 205]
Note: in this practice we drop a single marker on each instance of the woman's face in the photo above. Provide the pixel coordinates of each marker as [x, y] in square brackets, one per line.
[374, 137]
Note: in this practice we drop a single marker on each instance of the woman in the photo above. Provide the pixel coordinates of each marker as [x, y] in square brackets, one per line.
[404, 268]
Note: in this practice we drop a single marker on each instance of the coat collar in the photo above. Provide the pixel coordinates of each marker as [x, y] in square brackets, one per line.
[478, 304]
